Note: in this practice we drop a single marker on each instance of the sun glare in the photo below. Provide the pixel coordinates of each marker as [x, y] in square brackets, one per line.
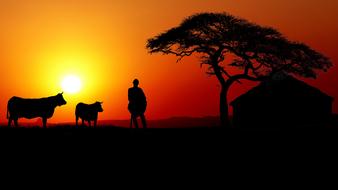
[71, 84]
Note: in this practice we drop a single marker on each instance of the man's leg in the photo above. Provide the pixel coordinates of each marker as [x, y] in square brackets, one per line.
[135, 121]
[144, 123]
[131, 122]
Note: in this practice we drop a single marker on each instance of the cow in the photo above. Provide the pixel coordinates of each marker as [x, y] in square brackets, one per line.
[88, 112]
[32, 108]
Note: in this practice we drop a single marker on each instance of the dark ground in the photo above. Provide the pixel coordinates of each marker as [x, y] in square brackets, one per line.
[201, 151]
[199, 141]
[120, 136]
[191, 150]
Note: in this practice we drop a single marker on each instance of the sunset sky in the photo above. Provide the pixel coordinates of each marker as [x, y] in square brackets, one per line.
[102, 43]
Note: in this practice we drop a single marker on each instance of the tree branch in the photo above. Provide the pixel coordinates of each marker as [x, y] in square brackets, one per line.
[247, 77]
[228, 75]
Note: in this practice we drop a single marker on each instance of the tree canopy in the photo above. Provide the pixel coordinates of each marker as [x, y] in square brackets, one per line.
[259, 51]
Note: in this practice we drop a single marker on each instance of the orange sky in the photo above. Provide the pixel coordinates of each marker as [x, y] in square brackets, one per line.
[103, 42]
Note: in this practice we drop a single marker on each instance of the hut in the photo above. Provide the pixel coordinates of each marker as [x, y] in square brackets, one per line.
[280, 102]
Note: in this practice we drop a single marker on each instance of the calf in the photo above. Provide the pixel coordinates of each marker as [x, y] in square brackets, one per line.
[88, 112]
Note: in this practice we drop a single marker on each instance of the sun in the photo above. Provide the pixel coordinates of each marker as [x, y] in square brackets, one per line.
[71, 84]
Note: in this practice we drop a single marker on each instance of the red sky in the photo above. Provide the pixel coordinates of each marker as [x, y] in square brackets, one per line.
[103, 43]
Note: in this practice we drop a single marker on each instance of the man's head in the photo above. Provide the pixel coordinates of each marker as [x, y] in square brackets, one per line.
[136, 82]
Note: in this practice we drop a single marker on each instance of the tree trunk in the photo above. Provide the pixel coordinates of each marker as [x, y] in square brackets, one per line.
[225, 84]
[224, 108]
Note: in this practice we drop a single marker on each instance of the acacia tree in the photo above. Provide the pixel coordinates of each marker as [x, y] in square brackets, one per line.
[235, 49]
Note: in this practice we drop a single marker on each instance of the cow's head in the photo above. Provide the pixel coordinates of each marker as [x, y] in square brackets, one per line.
[60, 100]
[98, 106]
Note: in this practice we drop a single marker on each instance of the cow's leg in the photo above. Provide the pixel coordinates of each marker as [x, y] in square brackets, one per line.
[16, 122]
[44, 121]
[76, 122]
[9, 121]
[144, 123]
[82, 122]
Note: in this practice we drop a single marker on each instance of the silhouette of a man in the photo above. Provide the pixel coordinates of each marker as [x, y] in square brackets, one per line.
[137, 104]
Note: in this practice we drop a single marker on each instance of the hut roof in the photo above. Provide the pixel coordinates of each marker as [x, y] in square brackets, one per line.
[282, 86]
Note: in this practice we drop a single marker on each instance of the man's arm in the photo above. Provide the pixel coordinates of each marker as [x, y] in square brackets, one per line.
[129, 94]
[143, 95]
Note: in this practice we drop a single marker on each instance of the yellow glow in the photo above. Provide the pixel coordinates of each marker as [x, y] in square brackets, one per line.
[71, 84]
